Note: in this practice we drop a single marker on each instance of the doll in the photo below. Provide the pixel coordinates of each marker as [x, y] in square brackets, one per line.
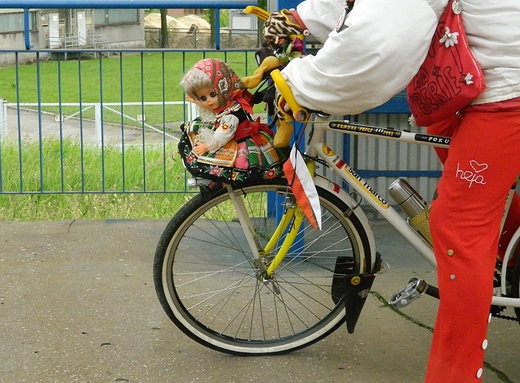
[224, 143]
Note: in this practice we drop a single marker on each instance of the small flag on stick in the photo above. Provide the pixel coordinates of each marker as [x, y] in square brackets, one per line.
[300, 180]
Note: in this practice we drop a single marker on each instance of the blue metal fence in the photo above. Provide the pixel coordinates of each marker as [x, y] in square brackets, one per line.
[109, 124]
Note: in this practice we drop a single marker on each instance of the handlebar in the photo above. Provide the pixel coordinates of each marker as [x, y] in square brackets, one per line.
[300, 114]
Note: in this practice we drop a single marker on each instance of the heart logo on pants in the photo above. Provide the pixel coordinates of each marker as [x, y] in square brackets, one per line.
[478, 167]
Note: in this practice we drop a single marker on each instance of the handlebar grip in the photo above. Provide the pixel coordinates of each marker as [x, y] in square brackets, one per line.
[300, 114]
[258, 12]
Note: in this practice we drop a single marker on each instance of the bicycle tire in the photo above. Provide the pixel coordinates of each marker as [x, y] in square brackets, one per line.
[208, 285]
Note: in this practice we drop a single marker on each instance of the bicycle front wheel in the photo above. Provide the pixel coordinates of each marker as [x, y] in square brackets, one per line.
[208, 281]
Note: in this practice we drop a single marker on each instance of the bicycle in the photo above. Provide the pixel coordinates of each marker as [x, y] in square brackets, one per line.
[244, 272]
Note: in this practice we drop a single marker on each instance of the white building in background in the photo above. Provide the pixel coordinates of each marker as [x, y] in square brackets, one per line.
[70, 28]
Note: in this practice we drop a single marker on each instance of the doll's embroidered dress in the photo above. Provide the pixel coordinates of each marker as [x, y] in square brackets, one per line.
[240, 148]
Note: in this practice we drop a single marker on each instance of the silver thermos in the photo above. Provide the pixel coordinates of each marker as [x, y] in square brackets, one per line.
[415, 207]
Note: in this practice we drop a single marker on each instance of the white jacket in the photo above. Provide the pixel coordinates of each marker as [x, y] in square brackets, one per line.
[383, 43]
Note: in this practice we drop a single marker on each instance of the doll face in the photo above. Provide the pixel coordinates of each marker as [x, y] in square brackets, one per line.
[208, 98]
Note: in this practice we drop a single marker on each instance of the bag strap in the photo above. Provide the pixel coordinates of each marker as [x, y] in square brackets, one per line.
[349, 4]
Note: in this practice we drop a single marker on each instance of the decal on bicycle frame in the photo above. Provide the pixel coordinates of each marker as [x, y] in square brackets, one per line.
[365, 129]
[431, 138]
[341, 165]
[361, 182]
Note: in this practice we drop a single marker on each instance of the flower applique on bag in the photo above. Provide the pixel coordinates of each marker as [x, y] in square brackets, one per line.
[450, 77]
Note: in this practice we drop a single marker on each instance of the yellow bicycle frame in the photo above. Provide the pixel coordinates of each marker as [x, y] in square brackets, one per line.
[293, 212]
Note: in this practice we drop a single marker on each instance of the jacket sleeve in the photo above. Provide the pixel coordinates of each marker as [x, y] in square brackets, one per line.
[320, 16]
[370, 59]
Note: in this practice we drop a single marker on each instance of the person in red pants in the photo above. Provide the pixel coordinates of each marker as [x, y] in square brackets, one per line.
[371, 51]
[473, 186]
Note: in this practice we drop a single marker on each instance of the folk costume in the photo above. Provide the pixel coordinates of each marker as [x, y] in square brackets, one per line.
[371, 55]
[238, 147]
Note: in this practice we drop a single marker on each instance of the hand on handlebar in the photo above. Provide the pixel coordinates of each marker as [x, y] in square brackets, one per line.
[287, 109]
[283, 110]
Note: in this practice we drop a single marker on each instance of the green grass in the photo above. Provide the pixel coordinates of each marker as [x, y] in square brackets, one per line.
[70, 167]
[89, 206]
[129, 77]
[115, 182]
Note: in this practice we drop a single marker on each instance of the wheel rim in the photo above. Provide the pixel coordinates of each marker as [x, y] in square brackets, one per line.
[215, 293]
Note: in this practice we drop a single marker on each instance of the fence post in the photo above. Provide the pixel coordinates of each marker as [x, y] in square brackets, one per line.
[193, 111]
[98, 122]
[3, 118]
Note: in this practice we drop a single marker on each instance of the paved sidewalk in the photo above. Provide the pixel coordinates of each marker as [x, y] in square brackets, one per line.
[77, 304]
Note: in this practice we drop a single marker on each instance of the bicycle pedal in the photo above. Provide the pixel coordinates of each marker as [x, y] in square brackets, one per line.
[414, 290]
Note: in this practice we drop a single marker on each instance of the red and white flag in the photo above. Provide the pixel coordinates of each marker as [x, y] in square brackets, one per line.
[300, 180]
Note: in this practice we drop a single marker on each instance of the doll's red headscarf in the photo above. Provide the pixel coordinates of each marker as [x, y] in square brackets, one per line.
[226, 83]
